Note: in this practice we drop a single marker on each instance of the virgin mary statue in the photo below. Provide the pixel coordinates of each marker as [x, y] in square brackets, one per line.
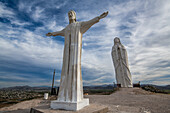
[120, 61]
[71, 87]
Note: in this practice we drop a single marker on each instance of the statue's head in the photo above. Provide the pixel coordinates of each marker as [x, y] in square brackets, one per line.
[72, 16]
[116, 40]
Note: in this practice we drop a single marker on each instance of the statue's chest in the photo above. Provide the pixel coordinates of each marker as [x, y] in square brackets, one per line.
[72, 28]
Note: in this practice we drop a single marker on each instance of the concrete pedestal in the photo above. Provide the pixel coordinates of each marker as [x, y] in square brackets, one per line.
[69, 105]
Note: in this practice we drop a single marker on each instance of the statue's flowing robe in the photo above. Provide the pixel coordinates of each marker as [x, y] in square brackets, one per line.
[71, 87]
[120, 61]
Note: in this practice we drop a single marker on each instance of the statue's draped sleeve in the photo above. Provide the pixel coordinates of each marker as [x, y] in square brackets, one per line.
[115, 56]
[59, 33]
[87, 24]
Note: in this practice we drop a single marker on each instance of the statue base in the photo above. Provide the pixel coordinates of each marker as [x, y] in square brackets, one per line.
[72, 106]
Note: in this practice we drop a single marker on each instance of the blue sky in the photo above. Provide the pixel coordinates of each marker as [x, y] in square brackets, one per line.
[28, 57]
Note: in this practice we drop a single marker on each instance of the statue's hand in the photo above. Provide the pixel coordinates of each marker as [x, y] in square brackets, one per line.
[103, 15]
[49, 34]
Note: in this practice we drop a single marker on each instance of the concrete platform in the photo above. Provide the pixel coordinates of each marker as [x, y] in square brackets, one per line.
[92, 108]
[69, 105]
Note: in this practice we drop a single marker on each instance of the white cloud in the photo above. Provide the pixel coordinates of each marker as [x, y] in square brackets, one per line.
[58, 6]
[52, 25]
[20, 23]
[31, 47]
[6, 12]
[37, 14]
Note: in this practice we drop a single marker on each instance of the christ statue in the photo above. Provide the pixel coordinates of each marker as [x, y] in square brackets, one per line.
[71, 87]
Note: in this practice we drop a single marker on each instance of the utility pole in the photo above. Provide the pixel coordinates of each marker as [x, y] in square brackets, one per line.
[53, 90]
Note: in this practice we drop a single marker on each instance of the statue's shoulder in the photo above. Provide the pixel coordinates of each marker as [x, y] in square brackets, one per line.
[78, 23]
[114, 48]
[67, 26]
[82, 22]
[123, 47]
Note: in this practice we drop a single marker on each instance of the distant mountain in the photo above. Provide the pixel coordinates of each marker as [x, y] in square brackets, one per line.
[109, 86]
[17, 87]
[25, 88]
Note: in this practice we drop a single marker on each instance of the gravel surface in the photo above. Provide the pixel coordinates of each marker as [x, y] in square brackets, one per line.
[126, 100]
[134, 100]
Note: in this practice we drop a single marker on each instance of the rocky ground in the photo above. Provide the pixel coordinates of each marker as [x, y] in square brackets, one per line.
[125, 100]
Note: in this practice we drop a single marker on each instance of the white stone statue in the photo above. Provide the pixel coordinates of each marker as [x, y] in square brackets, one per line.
[70, 95]
[120, 61]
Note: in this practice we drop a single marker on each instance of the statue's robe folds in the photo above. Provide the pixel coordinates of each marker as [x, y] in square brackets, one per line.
[71, 87]
[120, 61]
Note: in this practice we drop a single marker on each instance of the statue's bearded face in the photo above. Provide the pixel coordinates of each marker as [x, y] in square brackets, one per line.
[72, 15]
[117, 40]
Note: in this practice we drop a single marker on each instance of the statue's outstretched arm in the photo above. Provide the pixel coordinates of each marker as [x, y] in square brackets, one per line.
[58, 33]
[87, 24]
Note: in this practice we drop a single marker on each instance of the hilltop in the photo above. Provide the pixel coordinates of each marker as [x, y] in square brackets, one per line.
[125, 100]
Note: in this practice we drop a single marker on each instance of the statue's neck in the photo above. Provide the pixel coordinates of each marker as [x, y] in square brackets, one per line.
[117, 44]
[72, 21]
